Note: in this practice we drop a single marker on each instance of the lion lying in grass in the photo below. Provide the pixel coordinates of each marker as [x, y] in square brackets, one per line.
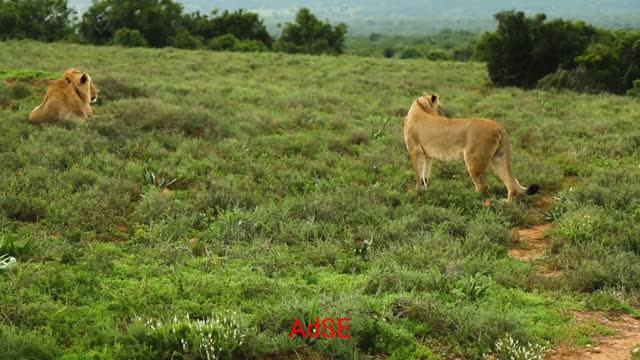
[429, 135]
[67, 99]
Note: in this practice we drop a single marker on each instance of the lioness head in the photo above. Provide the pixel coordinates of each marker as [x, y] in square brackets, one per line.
[83, 85]
[431, 104]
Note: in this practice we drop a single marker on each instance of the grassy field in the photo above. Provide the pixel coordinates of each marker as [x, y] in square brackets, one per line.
[216, 197]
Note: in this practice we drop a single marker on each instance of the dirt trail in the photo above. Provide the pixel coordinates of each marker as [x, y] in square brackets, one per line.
[617, 347]
[533, 243]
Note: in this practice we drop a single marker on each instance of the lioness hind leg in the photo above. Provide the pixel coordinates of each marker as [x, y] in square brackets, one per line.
[425, 172]
[422, 168]
[501, 168]
[477, 167]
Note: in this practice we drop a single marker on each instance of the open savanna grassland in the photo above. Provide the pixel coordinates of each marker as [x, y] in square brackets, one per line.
[294, 198]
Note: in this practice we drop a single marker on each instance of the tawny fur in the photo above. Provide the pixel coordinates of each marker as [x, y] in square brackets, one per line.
[480, 142]
[67, 99]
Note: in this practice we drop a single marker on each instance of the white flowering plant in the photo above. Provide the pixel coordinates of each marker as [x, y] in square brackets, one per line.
[216, 337]
[508, 348]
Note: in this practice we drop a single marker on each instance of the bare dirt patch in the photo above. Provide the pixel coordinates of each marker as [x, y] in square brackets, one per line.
[617, 347]
[532, 243]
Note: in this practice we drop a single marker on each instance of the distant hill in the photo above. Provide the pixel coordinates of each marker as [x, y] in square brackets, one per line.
[413, 17]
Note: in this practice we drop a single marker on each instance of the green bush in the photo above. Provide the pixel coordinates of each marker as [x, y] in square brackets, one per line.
[229, 42]
[129, 38]
[435, 55]
[634, 91]
[28, 209]
[569, 79]
[18, 344]
[223, 43]
[411, 53]
[184, 40]
[250, 46]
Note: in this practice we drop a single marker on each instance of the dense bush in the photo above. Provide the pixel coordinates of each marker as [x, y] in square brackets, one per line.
[635, 90]
[250, 46]
[241, 24]
[223, 42]
[231, 43]
[435, 55]
[410, 53]
[523, 50]
[527, 52]
[185, 40]
[129, 38]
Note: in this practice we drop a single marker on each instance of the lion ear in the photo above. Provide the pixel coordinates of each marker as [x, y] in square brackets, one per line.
[434, 98]
[84, 78]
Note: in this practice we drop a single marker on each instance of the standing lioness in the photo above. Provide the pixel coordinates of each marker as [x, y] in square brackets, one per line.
[480, 142]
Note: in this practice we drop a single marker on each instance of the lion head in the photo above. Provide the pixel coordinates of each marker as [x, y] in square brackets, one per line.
[431, 104]
[83, 85]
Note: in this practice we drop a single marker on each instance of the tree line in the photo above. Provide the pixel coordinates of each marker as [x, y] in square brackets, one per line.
[524, 51]
[161, 23]
[535, 52]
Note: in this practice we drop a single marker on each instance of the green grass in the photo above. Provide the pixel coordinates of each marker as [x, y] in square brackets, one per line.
[28, 75]
[291, 198]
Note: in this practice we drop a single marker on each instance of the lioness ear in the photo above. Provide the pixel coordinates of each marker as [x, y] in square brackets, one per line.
[434, 98]
[84, 78]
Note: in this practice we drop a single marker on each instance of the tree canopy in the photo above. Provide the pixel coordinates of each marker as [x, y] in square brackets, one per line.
[311, 36]
[531, 51]
[44, 20]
